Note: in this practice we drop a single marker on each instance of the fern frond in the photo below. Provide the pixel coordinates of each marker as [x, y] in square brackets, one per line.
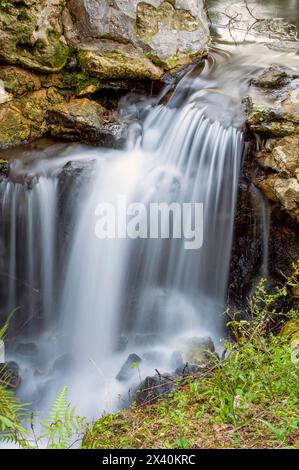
[59, 408]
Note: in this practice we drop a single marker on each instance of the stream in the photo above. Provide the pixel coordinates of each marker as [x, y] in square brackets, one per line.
[84, 303]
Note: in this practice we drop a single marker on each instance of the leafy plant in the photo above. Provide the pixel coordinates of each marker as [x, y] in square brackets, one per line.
[12, 412]
[62, 428]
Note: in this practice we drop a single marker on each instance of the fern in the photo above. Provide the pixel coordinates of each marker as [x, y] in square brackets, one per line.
[12, 412]
[62, 425]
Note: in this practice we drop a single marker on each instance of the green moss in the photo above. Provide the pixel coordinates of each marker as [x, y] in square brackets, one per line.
[80, 82]
[17, 25]
[176, 60]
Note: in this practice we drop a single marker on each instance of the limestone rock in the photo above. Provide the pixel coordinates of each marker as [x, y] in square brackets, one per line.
[18, 81]
[31, 34]
[272, 77]
[273, 111]
[281, 155]
[274, 103]
[163, 30]
[25, 118]
[285, 191]
[4, 95]
[84, 120]
[118, 61]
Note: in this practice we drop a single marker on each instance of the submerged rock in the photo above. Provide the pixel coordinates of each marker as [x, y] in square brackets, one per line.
[152, 388]
[128, 370]
[199, 351]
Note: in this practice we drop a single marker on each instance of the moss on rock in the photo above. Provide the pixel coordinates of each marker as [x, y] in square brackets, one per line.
[118, 63]
[25, 118]
[31, 34]
[19, 81]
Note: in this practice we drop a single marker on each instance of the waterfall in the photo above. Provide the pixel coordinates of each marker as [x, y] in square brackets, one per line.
[28, 229]
[154, 292]
[101, 299]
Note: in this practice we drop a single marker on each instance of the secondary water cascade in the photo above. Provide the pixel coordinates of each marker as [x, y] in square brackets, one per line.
[95, 301]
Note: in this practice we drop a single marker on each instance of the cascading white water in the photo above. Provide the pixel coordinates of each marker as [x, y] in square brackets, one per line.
[154, 291]
[147, 294]
[28, 224]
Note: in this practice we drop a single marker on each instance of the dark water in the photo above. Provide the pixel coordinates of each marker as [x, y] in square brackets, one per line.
[288, 9]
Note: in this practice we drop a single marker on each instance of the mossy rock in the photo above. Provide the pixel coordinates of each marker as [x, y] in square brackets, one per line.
[77, 82]
[30, 35]
[26, 118]
[19, 81]
[121, 63]
[291, 330]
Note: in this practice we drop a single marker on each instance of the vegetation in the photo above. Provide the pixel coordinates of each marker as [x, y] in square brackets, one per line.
[11, 411]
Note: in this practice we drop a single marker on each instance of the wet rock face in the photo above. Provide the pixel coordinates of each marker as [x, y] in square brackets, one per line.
[270, 171]
[274, 113]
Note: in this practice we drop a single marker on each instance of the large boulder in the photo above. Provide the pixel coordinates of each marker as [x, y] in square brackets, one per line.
[111, 33]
